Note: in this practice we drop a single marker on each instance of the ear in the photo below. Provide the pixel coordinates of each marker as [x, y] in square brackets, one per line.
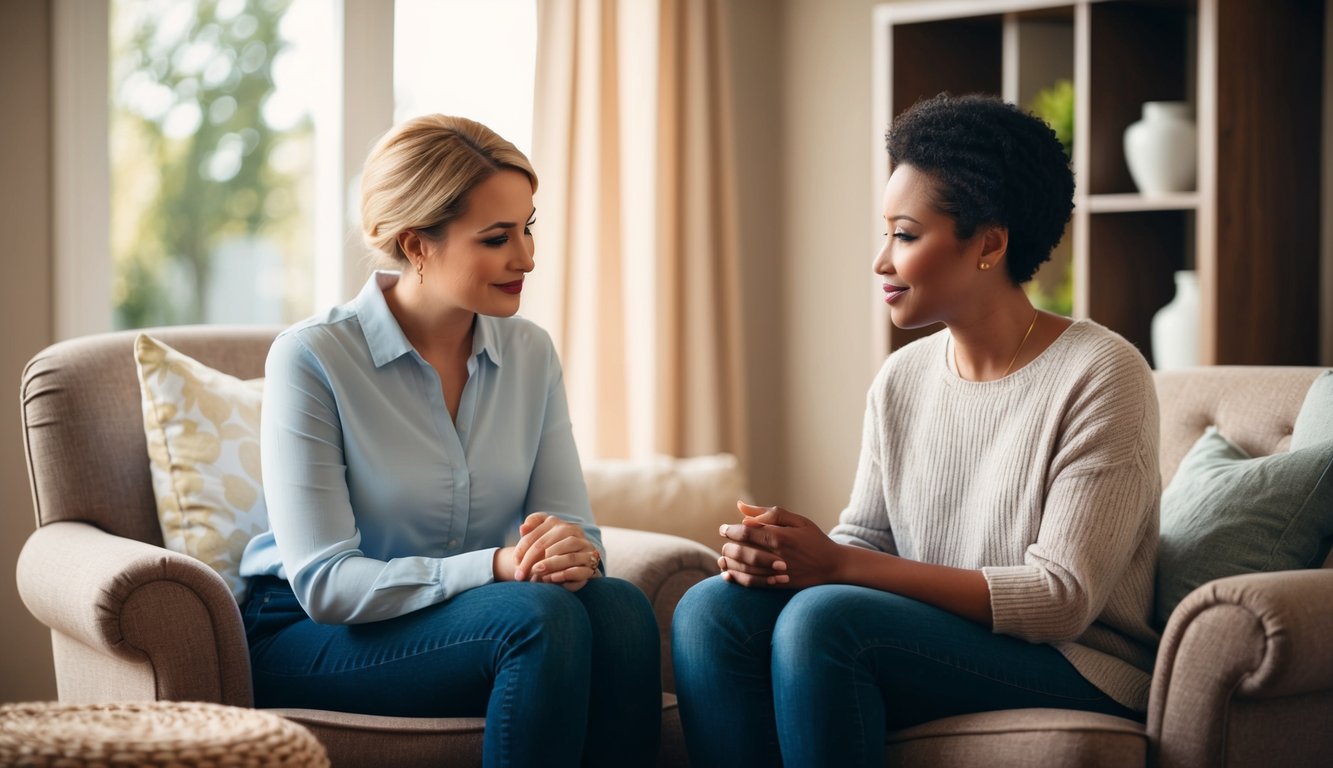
[412, 245]
[994, 245]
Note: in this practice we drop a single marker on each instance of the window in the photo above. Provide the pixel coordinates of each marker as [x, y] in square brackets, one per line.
[206, 151]
[211, 150]
[441, 47]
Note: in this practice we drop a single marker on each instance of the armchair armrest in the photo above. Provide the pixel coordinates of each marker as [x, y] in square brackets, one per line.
[1235, 642]
[663, 566]
[137, 603]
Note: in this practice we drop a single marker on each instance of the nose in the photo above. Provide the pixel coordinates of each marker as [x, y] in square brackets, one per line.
[523, 261]
[883, 262]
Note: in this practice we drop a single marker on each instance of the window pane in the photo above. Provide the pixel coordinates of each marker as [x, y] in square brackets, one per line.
[211, 159]
[467, 58]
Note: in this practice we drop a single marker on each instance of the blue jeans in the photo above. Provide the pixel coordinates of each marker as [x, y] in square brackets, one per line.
[562, 677]
[818, 677]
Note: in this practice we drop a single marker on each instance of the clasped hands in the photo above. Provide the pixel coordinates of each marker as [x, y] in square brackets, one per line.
[772, 547]
[549, 550]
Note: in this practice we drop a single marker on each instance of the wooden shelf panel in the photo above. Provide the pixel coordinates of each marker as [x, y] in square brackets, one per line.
[1131, 202]
[964, 56]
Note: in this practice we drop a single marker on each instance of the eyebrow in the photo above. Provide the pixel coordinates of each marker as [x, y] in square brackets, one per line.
[903, 216]
[505, 224]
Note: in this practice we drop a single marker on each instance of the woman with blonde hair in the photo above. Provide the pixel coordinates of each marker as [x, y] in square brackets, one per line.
[432, 551]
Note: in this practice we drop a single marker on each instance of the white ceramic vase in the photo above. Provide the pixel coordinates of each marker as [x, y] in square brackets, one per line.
[1161, 149]
[1175, 327]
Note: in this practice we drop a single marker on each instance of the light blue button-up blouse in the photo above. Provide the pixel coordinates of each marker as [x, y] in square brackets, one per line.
[381, 504]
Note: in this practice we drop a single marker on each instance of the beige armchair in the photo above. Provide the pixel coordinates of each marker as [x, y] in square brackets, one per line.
[131, 620]
[1244, 673]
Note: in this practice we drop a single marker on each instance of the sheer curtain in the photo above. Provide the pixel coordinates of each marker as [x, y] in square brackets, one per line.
[637, 257]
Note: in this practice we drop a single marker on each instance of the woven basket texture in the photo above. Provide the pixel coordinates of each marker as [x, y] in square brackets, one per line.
[152, 733]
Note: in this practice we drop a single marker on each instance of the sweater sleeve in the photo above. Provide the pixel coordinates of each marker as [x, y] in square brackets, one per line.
[1103, 491]
[864, 522]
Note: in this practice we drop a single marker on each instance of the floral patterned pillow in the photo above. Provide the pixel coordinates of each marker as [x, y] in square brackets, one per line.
[202, 427]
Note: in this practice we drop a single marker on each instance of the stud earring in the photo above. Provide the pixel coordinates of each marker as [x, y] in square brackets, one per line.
[420, 278]
[983, 266]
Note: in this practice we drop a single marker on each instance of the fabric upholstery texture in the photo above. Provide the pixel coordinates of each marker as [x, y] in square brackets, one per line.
[80, 438]
[1021, 737]
[118, 597]
[1226, 513]
[1314, 424]
[1260, 639]
[202, 430]
[688, 497]
[1254, 406]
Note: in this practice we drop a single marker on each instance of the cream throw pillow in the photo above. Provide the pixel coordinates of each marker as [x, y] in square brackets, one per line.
[688, 497]
[203, 450]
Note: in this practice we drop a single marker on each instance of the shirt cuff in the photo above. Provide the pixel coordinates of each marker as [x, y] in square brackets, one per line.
[467, 571]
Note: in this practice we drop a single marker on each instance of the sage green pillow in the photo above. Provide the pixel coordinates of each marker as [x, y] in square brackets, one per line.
[1314, 424]
[1225, 513]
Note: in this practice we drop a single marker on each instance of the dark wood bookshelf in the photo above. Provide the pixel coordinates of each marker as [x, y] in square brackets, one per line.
[1252, 71]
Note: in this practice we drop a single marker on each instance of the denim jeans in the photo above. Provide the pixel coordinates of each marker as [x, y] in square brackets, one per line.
[818, 677]
[562, 677]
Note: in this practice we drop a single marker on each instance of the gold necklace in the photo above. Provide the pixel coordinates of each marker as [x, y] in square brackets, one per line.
[1014, 359]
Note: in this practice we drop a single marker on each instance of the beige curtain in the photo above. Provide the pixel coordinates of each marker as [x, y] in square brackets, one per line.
[637, 258]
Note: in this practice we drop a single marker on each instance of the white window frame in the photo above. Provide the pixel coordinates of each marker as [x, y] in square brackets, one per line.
[355, 109]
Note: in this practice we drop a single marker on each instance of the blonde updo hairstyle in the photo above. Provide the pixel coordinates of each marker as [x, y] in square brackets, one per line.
[419, 175]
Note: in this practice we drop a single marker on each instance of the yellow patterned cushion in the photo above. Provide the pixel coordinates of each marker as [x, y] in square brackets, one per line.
[203, 450]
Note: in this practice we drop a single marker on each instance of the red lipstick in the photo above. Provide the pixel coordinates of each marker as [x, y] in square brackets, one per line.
[513, 287]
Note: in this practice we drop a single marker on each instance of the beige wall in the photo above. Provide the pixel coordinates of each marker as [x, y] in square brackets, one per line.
[808, 233]
[25, 316]
[828, 230]
[755, 29]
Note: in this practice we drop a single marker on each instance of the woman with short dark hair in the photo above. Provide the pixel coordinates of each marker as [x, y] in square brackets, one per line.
[999, 544]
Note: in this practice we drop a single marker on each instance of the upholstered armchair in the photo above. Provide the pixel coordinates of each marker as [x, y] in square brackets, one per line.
[1244, 672]
[131, 620]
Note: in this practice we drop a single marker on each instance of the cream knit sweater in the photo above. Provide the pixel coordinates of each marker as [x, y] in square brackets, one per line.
[1047, 480]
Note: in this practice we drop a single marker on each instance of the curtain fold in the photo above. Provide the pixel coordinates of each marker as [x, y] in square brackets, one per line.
[637, 251]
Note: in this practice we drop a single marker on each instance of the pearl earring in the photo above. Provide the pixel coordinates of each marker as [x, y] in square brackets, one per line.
[983, 266]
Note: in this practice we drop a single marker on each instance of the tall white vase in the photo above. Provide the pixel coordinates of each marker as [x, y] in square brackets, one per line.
[1161, 149]
[1175, 327]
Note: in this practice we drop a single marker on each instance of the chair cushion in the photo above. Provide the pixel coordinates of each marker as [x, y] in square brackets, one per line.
[202, 429]
[1021, 737]
[405, 742]
[687, 497]
[1226, 513]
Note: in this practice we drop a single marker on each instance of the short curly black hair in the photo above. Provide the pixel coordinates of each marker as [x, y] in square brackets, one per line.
[992, 164]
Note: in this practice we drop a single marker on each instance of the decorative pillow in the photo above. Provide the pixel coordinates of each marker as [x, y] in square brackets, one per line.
[203, 450]
[685, 497]
[1225, 513]
[1314, 423]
